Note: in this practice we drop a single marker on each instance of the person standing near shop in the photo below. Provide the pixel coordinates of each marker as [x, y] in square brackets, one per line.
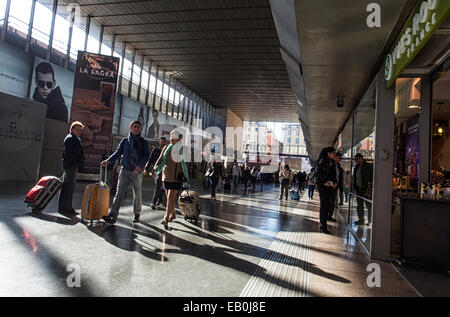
[149, 169]
[362, 180]
[72, 161]
[246, 174]
[326, 183]
[134, 153]
[338, 191]
[347, 184]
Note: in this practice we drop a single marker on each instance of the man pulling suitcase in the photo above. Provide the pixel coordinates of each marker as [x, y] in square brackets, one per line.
[135, 155]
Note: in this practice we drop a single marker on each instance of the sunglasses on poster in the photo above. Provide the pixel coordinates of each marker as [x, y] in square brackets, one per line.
[42, 84]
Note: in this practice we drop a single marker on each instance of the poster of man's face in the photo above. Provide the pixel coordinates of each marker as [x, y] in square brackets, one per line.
[47, 90]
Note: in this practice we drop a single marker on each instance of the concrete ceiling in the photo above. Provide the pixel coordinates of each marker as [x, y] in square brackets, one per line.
[227, 52]
[336, 52]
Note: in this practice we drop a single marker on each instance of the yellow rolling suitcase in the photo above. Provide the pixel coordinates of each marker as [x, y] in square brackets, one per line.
[95, 203]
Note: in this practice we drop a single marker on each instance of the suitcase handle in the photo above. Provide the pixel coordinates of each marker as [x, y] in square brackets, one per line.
[104, 183]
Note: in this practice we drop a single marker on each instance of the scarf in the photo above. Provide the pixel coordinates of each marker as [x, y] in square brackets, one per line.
[134, 156]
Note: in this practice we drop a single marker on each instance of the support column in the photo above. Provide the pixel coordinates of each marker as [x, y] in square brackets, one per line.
[382, 176]
[425, 122]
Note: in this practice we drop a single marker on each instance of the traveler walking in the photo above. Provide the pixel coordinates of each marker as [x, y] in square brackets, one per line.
[254, 176]
[362, 181]
[135, 154]
[326, 183]
[215, 174]
[150, 170]
[172, 165]
[301, 181]
[246, 175]
[311, 184]
[286, 178]
[72, 161]
[237, 174]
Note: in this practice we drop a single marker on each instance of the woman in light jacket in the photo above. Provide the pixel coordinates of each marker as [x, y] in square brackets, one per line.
[286, 177]
[174, 173]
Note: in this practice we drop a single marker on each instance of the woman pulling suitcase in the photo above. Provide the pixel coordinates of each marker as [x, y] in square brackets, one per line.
[172, 164]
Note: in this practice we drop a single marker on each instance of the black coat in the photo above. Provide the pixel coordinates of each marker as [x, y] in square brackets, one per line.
[72, 155]
[156, 153]
[341, 177]
[326, 171]
[56, 106]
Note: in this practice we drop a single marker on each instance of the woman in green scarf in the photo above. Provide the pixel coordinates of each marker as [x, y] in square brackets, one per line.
[174, 173]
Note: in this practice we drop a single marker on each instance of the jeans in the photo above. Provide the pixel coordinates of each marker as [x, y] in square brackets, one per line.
[125, 179]
[347, 193]
[311, 189]
[67, 189]
[158, 194]
[213, 184]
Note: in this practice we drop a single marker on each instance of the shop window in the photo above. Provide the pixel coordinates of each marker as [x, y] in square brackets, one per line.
[406, 134]
[440, 157]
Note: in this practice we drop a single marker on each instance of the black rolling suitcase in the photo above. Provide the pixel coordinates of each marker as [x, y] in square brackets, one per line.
[42, 193]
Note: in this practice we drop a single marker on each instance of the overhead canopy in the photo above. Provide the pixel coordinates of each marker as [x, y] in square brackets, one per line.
[336, 52]
[227, 52]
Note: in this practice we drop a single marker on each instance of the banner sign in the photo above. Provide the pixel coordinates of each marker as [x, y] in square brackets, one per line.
[93, 104]
[425, 19]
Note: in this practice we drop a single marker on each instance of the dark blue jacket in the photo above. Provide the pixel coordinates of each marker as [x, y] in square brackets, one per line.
[124, 150]
[72, 154]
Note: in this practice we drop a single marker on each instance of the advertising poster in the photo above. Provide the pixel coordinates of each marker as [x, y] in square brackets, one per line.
[52, 85]
[412, 150]
[93, 104]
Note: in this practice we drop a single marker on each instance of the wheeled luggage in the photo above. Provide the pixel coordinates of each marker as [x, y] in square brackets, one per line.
[42, 193]
[295, 195]
[95, 203]
[189, 204]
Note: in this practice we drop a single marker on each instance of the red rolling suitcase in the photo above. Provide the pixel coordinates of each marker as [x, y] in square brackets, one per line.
[42, 193]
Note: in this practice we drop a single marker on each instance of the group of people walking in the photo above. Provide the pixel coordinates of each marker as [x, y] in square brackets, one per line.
[166, 161]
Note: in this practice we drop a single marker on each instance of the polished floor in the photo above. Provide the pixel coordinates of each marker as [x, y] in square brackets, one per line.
[244, 245]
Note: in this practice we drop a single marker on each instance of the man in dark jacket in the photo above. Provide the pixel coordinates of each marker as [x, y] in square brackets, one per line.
[135, 155]
[46, 92]
[72, 161]
[362, 186]
[149, 168]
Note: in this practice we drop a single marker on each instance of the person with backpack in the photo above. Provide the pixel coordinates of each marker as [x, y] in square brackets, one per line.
[175, 174]
[311, 183]
[286, 178]
[215, 172]
[134, 153]
[326, 183]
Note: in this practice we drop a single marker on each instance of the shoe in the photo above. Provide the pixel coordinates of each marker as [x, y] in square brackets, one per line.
[153, 206]
[109, 219]
[165, 222]
[136, 218]
[281, 198]
[324, 230]
[369, 223]
[172, 217]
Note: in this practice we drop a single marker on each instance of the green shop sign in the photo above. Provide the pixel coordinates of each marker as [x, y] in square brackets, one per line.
[426, 18]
